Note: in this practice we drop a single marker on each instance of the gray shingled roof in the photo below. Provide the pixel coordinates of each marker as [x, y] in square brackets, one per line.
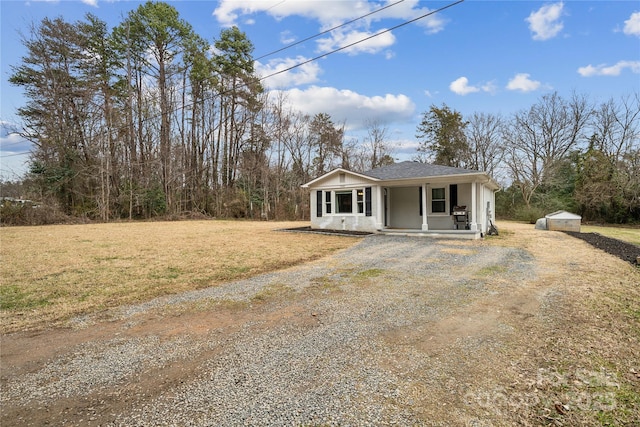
[408, 170]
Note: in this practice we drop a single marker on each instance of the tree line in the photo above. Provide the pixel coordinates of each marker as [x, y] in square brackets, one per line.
[569, 154]
[150, 119]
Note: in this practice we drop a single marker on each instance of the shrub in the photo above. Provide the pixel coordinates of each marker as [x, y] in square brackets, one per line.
[529, 214]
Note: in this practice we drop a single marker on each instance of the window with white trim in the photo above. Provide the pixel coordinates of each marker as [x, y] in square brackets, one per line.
[360, 199]
[438, 200]
[327, 201]
[344, 201]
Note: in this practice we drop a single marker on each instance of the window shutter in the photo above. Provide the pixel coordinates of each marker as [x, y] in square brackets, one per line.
[367, 201]
[319, 203]
[420, 199]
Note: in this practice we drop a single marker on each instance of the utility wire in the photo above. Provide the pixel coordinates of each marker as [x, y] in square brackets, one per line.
[328, 31]
[15, 154]
[300, 64]
[265, 56]
[362, 40]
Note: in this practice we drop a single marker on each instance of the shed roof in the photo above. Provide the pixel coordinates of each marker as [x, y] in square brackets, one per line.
[408, 170]
[562, 215]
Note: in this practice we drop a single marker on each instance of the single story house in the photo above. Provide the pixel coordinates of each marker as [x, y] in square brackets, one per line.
[407, 197]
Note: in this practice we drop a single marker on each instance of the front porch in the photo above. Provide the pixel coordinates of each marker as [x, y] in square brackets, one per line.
[440, 207]
[444, 234]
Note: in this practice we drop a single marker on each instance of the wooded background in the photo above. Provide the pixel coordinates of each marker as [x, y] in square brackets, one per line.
[148, 120]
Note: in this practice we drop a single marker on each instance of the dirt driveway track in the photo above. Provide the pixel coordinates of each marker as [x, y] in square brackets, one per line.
[392, 331]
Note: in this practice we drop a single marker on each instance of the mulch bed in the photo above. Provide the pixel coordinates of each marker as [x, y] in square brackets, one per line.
[623, 250]
[324, 231]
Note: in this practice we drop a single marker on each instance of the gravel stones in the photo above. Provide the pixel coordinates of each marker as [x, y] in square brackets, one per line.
[356, 351]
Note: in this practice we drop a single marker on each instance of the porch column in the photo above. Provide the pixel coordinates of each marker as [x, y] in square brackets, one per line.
[379, 209]
[425, 225]
[474, 207]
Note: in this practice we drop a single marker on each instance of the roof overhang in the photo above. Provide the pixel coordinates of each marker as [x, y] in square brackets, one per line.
[480, 177]
[337, 172]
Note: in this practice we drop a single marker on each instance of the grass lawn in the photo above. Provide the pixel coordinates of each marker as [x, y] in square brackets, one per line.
[627, 234]
[52, 273]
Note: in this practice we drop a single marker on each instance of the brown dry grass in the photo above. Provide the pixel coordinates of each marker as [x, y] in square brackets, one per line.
[49, 274]
[586, 357]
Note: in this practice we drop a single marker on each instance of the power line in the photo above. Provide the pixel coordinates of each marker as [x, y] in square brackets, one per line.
[328, 31]
[308, 60]
[363, 40]
[300, 64]
[261, 57]
[15, 154]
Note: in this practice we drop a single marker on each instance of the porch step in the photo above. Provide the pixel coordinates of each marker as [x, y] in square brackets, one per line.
[448, 234]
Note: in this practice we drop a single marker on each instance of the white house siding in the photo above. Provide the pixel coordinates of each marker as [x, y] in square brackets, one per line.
[487, 203]
[353, 221]
[345, 222]
[340, 181]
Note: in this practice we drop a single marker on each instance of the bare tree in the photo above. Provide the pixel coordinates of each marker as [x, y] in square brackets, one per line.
[484, 136]
[617, 126]
[378, 149]
[608, 182]
[537, 139]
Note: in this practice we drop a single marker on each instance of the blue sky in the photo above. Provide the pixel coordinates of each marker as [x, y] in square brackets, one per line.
[476, 56]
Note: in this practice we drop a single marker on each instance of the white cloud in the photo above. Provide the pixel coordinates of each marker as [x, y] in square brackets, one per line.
[14, 152]
[521, 82]
[286, 37]
[405, 149]
[93, 3]
[489, 87]
[545, 22]
[304, 74]
[409, 9]
[350, 107]
[632, 25]
[229, 12]
[340, 39]
[609, 70]
[462, 87]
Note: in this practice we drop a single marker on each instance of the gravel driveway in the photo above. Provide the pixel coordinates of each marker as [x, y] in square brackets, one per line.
[388, 332]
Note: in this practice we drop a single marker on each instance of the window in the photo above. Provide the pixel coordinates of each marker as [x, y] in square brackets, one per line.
[327, 200]
[360, 200]
[344, 202]
[437, 200]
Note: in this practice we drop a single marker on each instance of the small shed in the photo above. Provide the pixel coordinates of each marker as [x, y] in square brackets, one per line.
[563, 221]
